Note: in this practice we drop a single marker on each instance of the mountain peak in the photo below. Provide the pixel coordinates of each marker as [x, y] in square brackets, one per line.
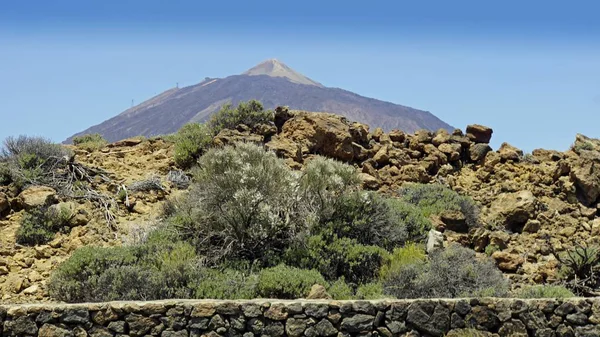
[275, 68]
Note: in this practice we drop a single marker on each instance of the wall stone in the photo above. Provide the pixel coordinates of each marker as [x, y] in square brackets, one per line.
[311, 318]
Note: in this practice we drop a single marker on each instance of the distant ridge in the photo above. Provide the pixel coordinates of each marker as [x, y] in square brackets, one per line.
[273, 83]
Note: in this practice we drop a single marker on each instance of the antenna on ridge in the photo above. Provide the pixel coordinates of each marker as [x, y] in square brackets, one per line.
[132, 102]
[177, 85]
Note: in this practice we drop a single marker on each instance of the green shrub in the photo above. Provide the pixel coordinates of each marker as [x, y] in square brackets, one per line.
[76, 279]
[578, 266]
[249, 113]
[90, 142]
[491, 249]
[436, 198]
[243, 206]
[190, 142]
[408, 255]
[370, 291]
[452, 272]
[5, 177]
[287, 282]
[31, 160]
[324, 180]
[228, 285]
[340, 290]
[544, 291]
[39, 225]
[338, 257]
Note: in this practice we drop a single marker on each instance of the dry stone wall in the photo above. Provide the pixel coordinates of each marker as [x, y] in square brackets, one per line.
[186, 318]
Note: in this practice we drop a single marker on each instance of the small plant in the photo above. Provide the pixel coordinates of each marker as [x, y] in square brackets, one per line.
[190, 142]
[179, 179]
[249, 113]
[39, 225]
[583, 146]
[151, 184]
[340, 290]
[491, 249]
[579, 267]
[408, 255]
[90, 142]
[544, 291]
[227, 285]
[287, 282]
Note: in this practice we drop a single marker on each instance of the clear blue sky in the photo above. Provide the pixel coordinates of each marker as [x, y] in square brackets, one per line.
[529, 69]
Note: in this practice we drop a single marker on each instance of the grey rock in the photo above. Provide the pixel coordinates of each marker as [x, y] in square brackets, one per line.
[228, 308]
[171, 333]
[100, 331]
[139, 325]
[216, 322]
[513, 328]
[534, 320]
[325, 328]
[75, 316]
[565, 308]
[256, 325]
[251, 310]
[544, 333]
[237, 322]
[396, 327]
[462, 307]
[49, 330]
[118, 326]
[198, 323]
[483, 317]
[456, 321]
[274, 329]
[363, 307]
[429, 317]
[577, 319]
[21, 326]
[358, 323]
[316, 310]
[45, 317]
[587, 331]
[564, 331]
[295, 327]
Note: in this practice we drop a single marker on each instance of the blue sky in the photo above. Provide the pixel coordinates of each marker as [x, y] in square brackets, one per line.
[528, 69]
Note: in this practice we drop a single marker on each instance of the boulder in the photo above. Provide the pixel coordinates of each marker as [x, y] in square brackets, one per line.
[507, 262]
[585, 174]
[508, 152]
[318, 292]
[513, 210]
[229, 136]
[368, 181]
[478, 151]
[454, 221]
[435, 240]
[320, 133]
[285, 148]
[397, 136]
[4, 203]
[35, 196]
[479, 133]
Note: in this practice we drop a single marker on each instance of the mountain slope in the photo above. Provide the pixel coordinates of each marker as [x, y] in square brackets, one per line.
[271, 82]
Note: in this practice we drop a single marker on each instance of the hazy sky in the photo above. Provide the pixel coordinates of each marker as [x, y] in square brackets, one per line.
[529, 69]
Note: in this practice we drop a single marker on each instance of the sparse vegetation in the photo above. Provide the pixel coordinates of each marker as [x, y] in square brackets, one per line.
[249, 113]
[90, 142]
[579, 266]
[250, 226]
[544, 291]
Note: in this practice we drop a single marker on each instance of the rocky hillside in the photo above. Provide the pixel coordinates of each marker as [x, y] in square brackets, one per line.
[531, 205]
[271, 82]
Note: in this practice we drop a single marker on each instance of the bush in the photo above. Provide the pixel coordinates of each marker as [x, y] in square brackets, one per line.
[338, 257]
[179, 179]
[544, 291]
[30, 160]
[90, 142]
[340, 290]
[370, 291]
[436, 198]
[153, 183]
[5, 177]
[190, 142]
[39, 225]
[285, 282]
[243, 206]
[144, 272]
[249, 113]
[77, 279]
[366, 217]
[452, 272]
[408, 255]
[228, 285]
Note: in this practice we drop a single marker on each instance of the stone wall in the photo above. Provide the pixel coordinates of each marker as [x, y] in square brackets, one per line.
[179, 318]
